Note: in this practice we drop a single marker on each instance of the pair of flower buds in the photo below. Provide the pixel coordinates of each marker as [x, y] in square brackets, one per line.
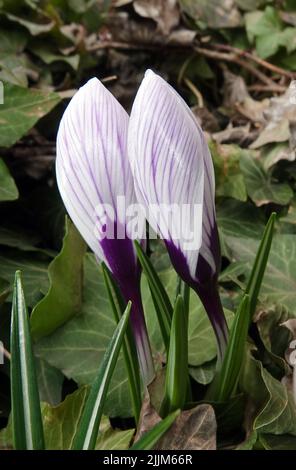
[156, 157]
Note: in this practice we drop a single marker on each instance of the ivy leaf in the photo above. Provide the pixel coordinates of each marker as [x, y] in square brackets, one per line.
[48, 57]
[60, 424]
[236, 219]
[260, 186]
[50, 381]
[14, 64]
[21, 109]
[33, 28]
[16, 237]
[229, 179]
[275, 337]
[274, 442]
[8, 189]
[202, 346]
[205, 373]
[64, 297]
[263, 23]
[267, 28]
[12, 42]
[268, 45]
[275, 410]
[240, 220]
[279, 281]
[250, 4]
[34, 273]
[78, 346]
[113, 439]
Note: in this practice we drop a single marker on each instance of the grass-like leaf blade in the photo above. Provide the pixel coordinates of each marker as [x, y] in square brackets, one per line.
[258, 270]
[184, 290]
[150, 438]
[88, 428]
[27, 425]
[128, 347]
[159, 295]
[224, 385]
[176, 384]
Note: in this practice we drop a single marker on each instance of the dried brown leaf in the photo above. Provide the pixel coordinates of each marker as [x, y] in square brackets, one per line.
[288, 17]
[234, 89]
[181, 37]
[165, 13]
[216, 13]
[193, 429]
[206, 119]
[75, 32]
[156, 389]
[121, 3]
[236, 96]
[241, 135]
[280, 119]
[121, 28]
[148, 417]
[291, 325]
[273, 132]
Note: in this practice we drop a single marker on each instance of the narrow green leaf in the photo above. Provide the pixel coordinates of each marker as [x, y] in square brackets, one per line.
[259, 265]
[87, 432]
[184, 290]
[162, 304]
[224, 385]
[25, 403]
[151, 437]
[176, 384]
[129, 347]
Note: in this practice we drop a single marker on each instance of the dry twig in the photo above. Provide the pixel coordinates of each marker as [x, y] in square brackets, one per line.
[231, 57]
[224, 53]
[258, 60]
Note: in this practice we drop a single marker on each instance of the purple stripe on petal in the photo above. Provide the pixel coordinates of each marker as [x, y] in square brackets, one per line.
[210, 298]
[165, 153]
[92, 164]
[179, 262]
[120, 256]
[92, 171]
[206, 290]
[171, 163]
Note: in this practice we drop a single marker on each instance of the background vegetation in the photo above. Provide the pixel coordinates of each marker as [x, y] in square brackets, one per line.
[233, 62]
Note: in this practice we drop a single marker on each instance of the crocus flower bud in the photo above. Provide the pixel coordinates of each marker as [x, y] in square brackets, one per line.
[174, 180]
[96, 185]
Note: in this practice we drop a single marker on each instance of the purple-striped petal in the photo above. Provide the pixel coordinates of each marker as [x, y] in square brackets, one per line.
[92, 166]
[171, 165]
[93, 173]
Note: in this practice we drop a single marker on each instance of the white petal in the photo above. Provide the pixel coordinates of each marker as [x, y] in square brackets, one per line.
[209, 214]
[168, 155]
[92, 165]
